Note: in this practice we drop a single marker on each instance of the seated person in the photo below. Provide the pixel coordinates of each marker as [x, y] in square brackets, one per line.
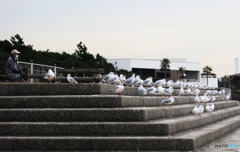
[13, 70]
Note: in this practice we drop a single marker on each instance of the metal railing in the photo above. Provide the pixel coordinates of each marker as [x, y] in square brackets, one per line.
[35, 68]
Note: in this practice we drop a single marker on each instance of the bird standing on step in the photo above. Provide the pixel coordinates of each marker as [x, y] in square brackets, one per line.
[201, 110]
[210, 108]
[71, 79]
[148, 82]
[197, 100]
[142, 90]
[168, 101]
[49, 76]
[181, 92]
[213, 98]
[195, 111]
[130, 80]
[151, 90]
[168, 91]
[226, 98]
[118, 89]
[107, 78]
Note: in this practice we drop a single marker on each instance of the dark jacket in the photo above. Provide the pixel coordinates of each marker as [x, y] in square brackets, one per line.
[10, 66]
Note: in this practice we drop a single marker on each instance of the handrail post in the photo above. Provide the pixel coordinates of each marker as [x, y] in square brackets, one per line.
[55, 70]
[31, 71]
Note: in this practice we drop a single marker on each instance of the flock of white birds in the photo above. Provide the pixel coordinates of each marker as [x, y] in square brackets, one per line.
[161, 88]
[165, 88]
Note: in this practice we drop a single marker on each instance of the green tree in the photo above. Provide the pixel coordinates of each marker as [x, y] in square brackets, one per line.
[165, 64]
[181, 71]
[208, 70]
[224, 79]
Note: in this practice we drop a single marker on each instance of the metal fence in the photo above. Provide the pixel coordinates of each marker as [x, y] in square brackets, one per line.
[35, 68]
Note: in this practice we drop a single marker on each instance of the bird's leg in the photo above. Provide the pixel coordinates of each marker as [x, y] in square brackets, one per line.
[169, 106]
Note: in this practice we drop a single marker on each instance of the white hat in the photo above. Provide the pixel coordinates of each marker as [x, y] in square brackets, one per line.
[15, 51]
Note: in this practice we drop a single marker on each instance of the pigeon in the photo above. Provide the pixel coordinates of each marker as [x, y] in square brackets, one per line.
[168, 101]
[142, 90]
[118, 89]
[49, 76]
[71, 79]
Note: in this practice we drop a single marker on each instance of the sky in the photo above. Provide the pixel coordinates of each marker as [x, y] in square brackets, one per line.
[207, 30]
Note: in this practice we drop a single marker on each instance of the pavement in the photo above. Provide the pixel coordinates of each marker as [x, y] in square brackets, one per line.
[231, 139]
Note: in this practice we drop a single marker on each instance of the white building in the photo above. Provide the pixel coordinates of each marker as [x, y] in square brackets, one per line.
[151, 67]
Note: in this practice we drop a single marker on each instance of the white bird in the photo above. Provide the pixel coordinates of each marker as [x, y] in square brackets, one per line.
[147, 82]
[108, 77]
[159, 90]
[176, 84]
[181, 92]
[201, 110]
[130, 80]
[226, 98]
[210, 108]
[118, 89]
[195, 92]
[168, 91]
[71, 79]
[169, 83]
[116, 80]
[142, 90]
[195, 111]
[197, 100]
[187, 92]
[122, 78]
[168, 101]
[151, 90]
[136, 81]
[160, 82]
[49, 76]
[213, 98]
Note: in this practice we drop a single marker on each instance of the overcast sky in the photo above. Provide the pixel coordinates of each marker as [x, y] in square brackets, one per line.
[207, 30]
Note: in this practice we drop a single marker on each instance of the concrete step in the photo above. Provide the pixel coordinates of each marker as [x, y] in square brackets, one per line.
[183, 141]
[88, 101]
[101, 114]
[26, 89]
[158, 127]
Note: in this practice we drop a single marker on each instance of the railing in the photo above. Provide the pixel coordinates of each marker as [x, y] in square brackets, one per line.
[35, 68]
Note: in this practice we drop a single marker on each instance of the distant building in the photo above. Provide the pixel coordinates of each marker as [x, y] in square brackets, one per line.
[151, 67]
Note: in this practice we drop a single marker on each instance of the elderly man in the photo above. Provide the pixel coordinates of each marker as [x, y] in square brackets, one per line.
[13, 70]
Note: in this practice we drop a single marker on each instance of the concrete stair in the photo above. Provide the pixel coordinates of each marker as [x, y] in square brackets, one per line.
[101, 121]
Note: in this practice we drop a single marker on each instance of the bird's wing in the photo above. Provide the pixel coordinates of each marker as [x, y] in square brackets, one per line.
[72, 80]
[166, 101]
[150, 89]
[117, 87]
[46, 76]
[167, 91]
[142, 90]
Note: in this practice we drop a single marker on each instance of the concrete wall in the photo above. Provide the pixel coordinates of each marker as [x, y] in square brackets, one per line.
[211, 81]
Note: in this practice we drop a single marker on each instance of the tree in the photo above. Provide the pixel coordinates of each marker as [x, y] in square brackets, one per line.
[224, 79]
[181, 71]
[165, 64]
[208, 70]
